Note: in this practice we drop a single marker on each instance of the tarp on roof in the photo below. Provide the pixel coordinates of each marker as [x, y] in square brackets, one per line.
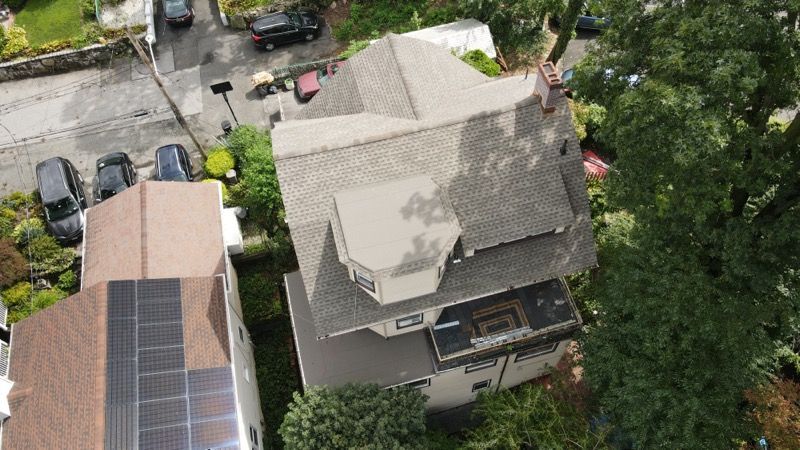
[461, 36]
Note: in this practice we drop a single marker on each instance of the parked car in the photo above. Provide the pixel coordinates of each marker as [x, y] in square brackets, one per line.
[173, 163]
[310, 83]
[283, 28]
[63, 198]
[588, 21]
[115, 173]
[565, 77]
[178, 12]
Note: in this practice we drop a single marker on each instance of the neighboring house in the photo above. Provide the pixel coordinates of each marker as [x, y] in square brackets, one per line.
[433, 212]
[152, 352]
[461, 37]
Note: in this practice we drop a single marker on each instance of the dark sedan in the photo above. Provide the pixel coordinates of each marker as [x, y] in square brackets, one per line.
[61, 191]
[173, 163]
[280, 28]
[178, 12]
[115, 173]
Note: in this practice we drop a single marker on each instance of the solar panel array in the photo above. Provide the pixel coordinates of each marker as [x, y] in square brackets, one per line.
[152, 400]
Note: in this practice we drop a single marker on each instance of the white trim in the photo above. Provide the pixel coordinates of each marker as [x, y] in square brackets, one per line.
[411, 381]
[294, 327]
[83, 244]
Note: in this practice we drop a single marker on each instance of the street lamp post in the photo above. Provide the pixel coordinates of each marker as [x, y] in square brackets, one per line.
[223, 88]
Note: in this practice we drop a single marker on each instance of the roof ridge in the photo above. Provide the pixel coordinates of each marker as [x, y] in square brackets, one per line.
[391, 38]
[143, 226]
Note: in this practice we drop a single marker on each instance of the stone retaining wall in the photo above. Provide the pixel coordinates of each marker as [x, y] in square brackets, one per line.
[63, 61]
[295, 70]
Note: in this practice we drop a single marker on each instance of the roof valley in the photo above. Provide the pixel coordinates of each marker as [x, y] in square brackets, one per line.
[404, 83]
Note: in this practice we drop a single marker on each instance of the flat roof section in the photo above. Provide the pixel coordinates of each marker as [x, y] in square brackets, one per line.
[503, 318]
[395, 223]
[361, 356]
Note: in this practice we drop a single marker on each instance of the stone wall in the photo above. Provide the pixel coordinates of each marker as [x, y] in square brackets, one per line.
[295, 70]
[63, 61]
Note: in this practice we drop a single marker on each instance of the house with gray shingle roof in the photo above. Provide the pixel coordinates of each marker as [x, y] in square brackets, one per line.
[153, 351]
[434, 213]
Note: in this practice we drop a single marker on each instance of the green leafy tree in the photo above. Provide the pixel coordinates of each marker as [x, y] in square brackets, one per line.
[530, 416]
[363, 416]
[515, 25]
[566, 29]
[14, 266]
[698, 286]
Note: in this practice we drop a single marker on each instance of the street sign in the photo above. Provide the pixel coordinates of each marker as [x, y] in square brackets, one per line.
[221, 88]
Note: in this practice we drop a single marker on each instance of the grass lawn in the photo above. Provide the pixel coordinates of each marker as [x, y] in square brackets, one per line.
[49, 20]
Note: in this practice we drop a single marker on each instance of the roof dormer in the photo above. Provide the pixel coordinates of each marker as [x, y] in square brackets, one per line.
[395, 237]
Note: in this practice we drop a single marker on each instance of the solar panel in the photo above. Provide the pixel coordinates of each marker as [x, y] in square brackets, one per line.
[121, 339]
[148, 290]
[162, 385]
[219, 405]
[121, 299]
[169, 438]
[161, 360]
[159, 311]
[214, 434]
[160, 335]
[206, 381]
[162, 413]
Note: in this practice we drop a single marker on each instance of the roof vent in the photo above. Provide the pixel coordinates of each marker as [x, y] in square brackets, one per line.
[548, 87]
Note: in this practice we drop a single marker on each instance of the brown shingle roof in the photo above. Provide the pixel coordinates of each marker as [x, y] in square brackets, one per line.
[155, 230]
[205, 329]
[58, 369]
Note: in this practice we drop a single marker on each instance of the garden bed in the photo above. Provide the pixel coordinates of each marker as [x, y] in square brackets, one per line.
[50, 20]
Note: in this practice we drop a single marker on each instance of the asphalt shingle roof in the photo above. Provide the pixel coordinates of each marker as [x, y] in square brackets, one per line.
[486, 143]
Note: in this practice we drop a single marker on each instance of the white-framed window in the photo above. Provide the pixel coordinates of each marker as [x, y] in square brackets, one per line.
[419, 384]
[364, 281]
[254, 435]
[481, 385]
[246, 374]
[536, 351]
[241, 334]
[480, 366]
[409, 321]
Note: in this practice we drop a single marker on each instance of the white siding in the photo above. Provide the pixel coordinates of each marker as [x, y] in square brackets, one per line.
[247, 400]
[389, 329]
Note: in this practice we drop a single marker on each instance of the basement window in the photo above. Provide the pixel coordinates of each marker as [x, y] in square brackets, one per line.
[409, 321]
[480, 366]
[364, 281]
[419, 384]
[536, 351]
[481, 385]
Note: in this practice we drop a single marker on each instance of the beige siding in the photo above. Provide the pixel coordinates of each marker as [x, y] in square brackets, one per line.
[454, 388]
[408, 286]
[389, 329]
[519, 372]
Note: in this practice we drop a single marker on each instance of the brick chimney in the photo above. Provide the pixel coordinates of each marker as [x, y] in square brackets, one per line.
[548, 87]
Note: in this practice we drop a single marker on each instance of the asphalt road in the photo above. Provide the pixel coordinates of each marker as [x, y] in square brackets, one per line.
[85, 114]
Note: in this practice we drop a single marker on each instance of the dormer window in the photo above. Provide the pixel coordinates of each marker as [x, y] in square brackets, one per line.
[364, 281]
[395, 236]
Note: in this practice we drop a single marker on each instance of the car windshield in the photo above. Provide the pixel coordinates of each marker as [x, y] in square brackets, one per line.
[174, 176]
[295, 19]
[322, 74]
[60, 209]
[173, 7]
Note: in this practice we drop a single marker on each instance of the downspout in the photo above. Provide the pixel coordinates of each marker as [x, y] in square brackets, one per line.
[502, 372]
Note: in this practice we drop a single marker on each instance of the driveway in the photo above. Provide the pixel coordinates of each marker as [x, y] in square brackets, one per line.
[83, 115]
[577, 48]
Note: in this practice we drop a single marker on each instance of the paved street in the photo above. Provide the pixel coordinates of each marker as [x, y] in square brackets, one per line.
[84, 114]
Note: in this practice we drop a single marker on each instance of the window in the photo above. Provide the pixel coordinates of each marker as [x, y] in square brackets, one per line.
[441, 269]
[536, 351]
[481, 385]
[420, 383]
[409, 321]
[241, 334]
[481, 365]
[364, 281]
[254, 435]
[246, 374]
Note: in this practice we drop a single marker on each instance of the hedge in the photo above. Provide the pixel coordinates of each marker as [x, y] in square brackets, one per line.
[219, 161]
[481, 62]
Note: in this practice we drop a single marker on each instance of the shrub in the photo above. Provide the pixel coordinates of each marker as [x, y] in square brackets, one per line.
[777, 412]
[16, 43]
[17, 200]
[219, 161]
[87, 9]
[3, 38]
[226, 198]
[481, 62]
[355, 47]
[67, 281]
[48, 257]
[8, 217]
[389, 15]
[259, 297]
[89, 34]
[246, 137]
[15, 298]
[40, 300]
[355, 416]
[587, 118]
[27, 229]
[14, 266]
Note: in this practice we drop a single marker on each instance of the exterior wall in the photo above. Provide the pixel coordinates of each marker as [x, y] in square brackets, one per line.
[389, 329]
[233, 294]
[519, 372]
[248, 406]
[454, 387]
[415, 284]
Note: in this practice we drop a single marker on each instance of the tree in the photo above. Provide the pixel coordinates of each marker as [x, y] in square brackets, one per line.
[363, 416]
[777, 412]
[702, 283]
[14, 266]
[566, 29]
[530, 416]
[514, 24]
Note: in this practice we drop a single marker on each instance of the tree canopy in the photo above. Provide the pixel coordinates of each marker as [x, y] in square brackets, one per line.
[701, 283]
[363, 416]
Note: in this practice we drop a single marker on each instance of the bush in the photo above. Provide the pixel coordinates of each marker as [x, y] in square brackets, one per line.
[48, 257]
[355, 416]
[67, 281]
[481, 62]
[389, 15]
[15, 298]
[354, 47]
[3, 38]
[40, 300]
[219, 161]
[27, 229]
[89, 34]
[17, 200]
[87, 9]
[226, 198]
[259, 296]
[16, 43]
[14, 266]
[246, 137]
[8, 218]
[587, 118]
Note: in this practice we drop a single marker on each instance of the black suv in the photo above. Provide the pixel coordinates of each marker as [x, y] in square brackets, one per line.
[284, 27]
[173, 163]
[61, 190]
[115, 173]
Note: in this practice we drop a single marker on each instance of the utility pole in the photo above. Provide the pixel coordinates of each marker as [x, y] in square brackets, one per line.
[178, 116]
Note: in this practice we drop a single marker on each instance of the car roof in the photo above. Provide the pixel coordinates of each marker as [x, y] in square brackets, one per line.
[270, 20]
[50, 176]
[167, 159]
[111, 157]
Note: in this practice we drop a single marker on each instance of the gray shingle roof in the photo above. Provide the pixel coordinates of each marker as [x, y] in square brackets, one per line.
[487, 144]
